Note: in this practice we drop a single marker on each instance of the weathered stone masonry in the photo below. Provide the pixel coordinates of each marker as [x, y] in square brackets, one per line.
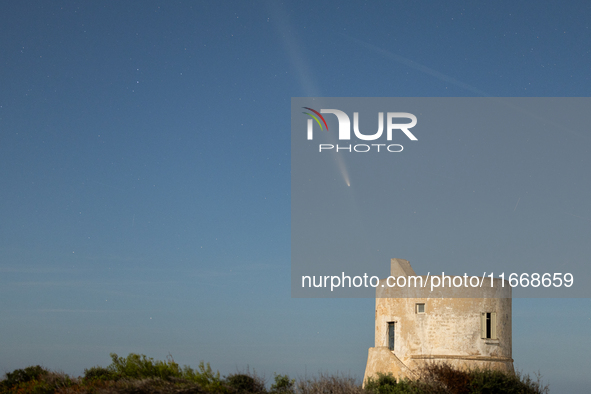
[463, 326]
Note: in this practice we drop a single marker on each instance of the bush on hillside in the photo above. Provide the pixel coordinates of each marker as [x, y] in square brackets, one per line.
[446, 379]
[24, 375]
[100, 373]
[283, 384]
[386, 384]
[243, 383]
[205, 377]
[140, 374]
[138, 366]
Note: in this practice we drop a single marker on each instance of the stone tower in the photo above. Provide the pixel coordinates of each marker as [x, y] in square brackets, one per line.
[463, 325]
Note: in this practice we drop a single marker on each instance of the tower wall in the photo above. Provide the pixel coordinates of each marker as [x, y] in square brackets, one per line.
[450, 326]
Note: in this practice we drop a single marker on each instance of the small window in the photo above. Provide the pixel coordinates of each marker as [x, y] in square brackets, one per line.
[420, 308]
[391, 335]
[488, 325]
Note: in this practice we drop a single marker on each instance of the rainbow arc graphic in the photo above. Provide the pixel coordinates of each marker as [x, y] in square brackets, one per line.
[316, 118]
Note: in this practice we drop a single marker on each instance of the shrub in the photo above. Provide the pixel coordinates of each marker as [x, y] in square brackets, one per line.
[443, 375]
[136, 366]
[245, 383]
[205, 377]
[283, 384]
[386, 384]
[19, 376]
[488, 381]
[140, 374]
[446, 379]
[100, 373]
[383, 384]
[477, 380]
[34, 380]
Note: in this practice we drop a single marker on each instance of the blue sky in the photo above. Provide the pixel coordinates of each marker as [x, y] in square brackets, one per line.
[145, 170]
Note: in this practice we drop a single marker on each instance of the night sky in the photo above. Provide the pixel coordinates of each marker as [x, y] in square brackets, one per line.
[145, 171]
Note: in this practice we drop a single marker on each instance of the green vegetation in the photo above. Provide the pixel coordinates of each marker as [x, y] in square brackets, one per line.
[24, 375]
[140, 374]
[445, 379]
[245, 384]
[386, 384]
[34, 379]
[283, 384]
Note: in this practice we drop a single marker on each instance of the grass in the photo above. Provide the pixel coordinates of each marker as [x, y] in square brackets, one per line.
[137, 374]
